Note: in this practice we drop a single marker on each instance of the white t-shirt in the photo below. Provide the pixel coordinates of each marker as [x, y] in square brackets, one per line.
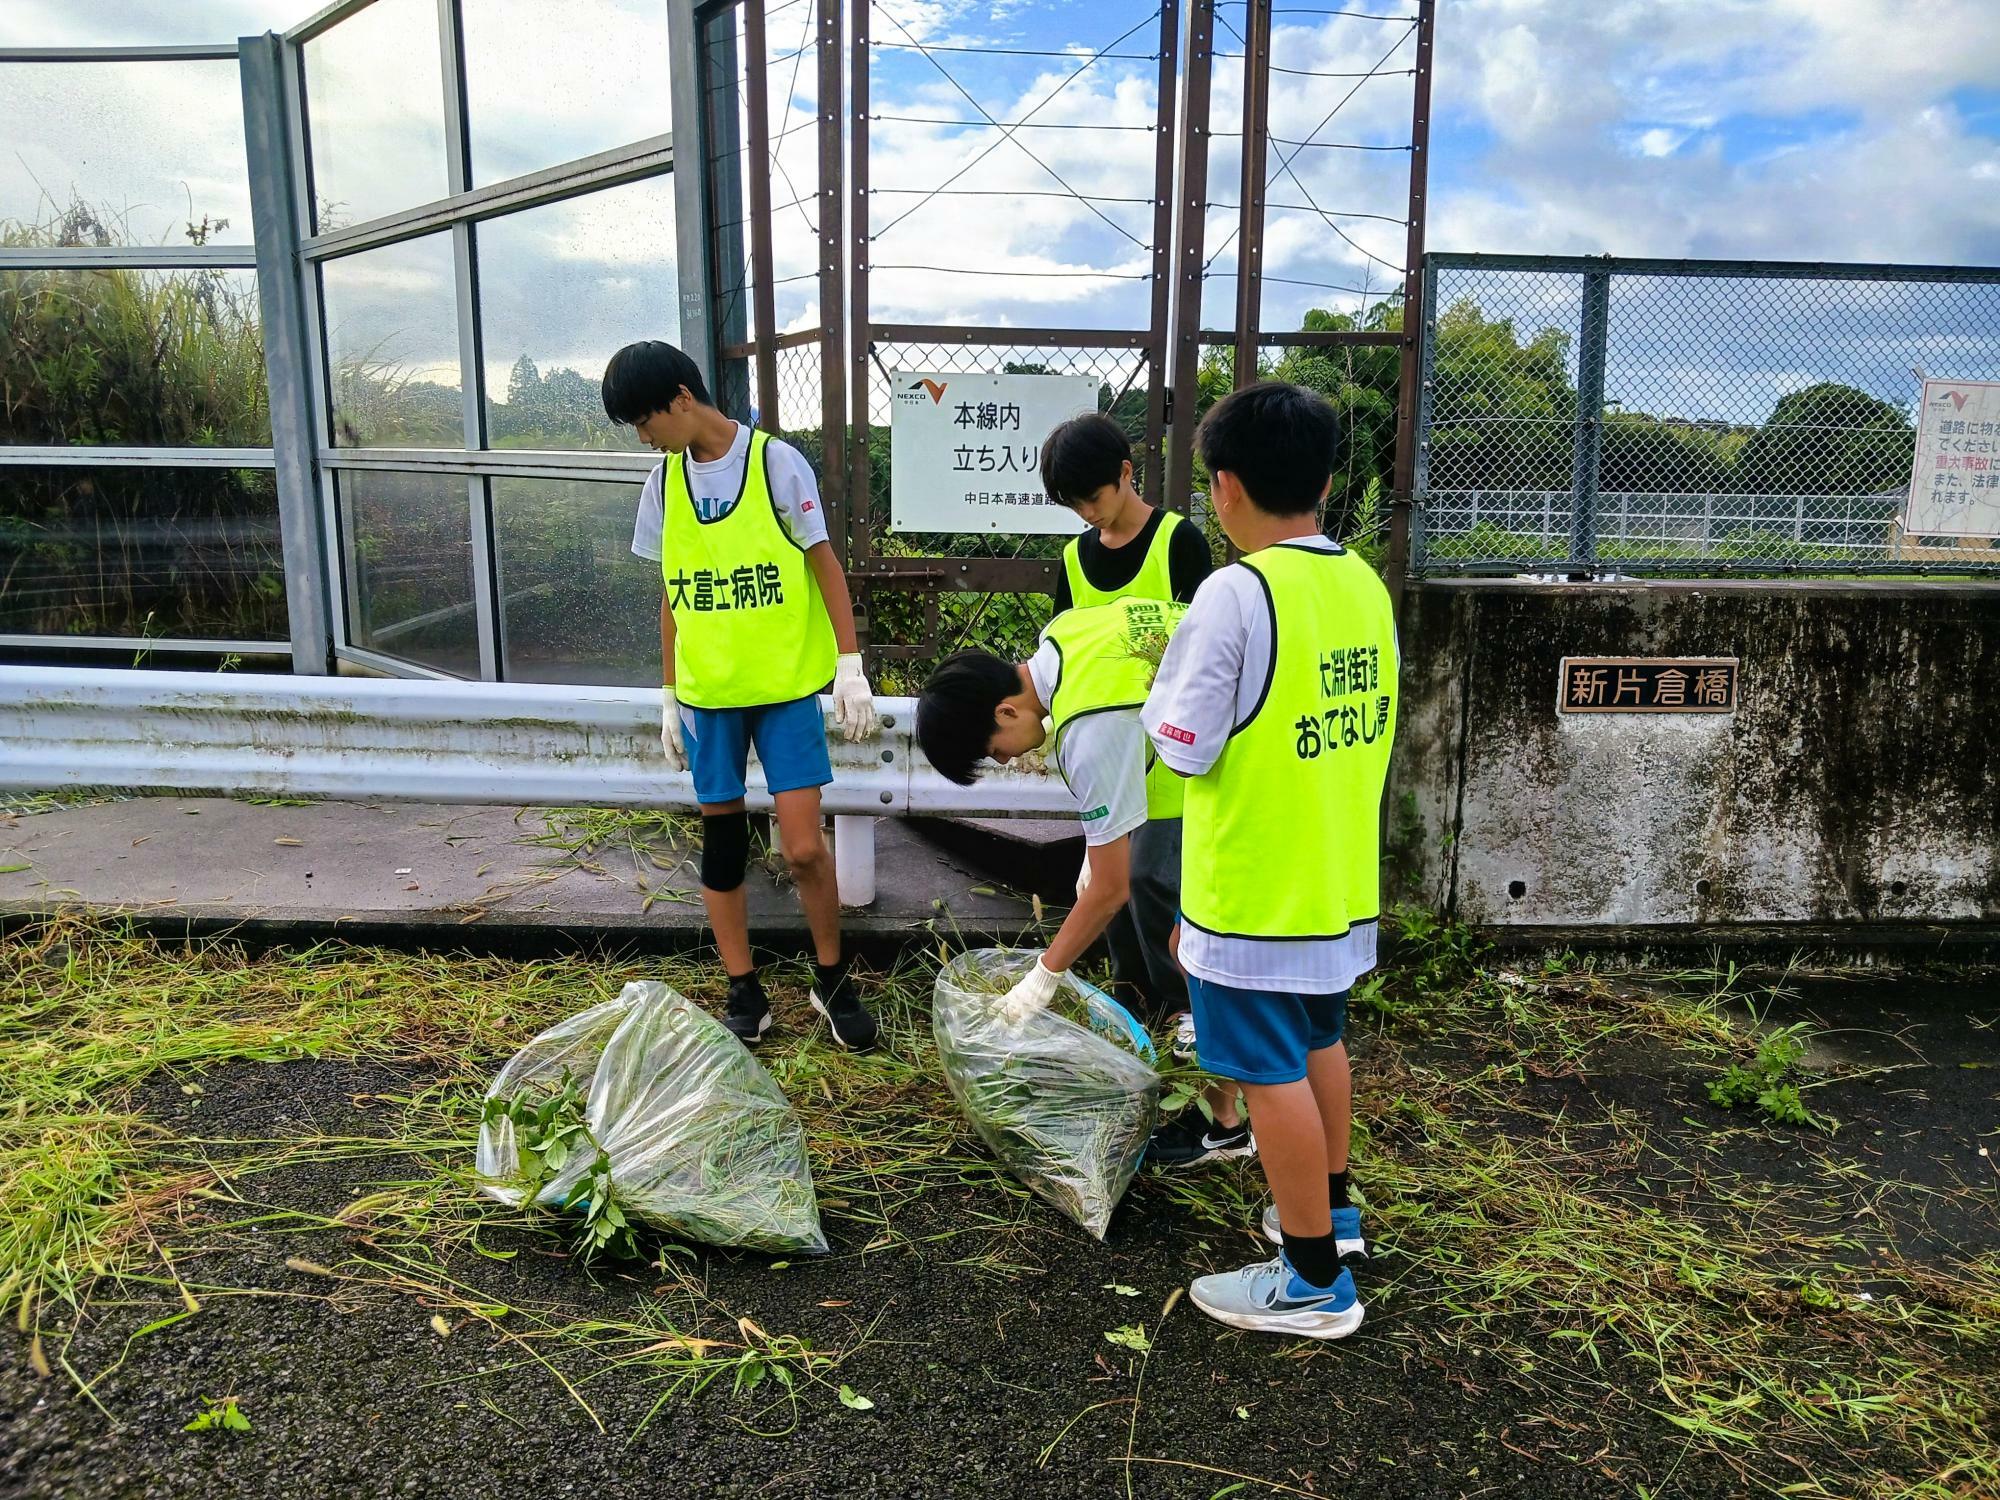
[1210, 681]
[1102, 758]
[717, 486]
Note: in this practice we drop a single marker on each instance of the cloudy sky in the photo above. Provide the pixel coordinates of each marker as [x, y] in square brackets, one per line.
[1798, 129]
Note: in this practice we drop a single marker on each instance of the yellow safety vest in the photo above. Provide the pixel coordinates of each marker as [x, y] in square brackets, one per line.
[1104, 667]
[750, 626]
[1282, 834]
[1154, 580]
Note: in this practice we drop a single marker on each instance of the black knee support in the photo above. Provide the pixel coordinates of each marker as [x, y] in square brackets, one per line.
[725, 849]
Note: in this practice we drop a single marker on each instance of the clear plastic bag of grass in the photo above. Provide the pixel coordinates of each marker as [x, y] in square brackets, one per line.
[700, 1142]
[1065, 1098]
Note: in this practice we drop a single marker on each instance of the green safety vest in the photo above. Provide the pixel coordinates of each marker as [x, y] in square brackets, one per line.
[1154, 580]
[1282, 835]
[749, 624]
[1102, 670]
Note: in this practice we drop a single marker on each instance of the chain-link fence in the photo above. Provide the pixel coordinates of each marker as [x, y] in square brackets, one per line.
[1603, 415]
[1360, 379]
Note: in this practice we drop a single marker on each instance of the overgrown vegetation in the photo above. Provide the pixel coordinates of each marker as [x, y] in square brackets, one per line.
[134, 358]
[1632, 1275]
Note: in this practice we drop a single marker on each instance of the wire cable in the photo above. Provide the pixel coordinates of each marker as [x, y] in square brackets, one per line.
[1008, 134]
[1285, 163]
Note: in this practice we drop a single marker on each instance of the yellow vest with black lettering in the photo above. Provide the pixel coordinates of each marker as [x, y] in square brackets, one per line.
[1282, 838]
[1110, 653]
[750, 626]
[1154, 580]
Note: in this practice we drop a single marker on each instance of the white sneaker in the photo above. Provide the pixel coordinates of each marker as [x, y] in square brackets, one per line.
[1269, 1297]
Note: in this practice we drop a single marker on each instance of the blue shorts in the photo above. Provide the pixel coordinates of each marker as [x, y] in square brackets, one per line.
[790, 740]
[1261, 1036]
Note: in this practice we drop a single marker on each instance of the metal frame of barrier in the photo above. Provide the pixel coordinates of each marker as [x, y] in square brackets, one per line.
[412, 740]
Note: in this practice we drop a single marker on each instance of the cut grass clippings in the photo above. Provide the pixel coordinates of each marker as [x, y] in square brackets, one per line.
[1627, 1271]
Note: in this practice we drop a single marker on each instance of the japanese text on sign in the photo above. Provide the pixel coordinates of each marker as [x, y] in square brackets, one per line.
[710, 591]
[965, 451]
[1647, 685]
[1955, 482]
[1345, 672]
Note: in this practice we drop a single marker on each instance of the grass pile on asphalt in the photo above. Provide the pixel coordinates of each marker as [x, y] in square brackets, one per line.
[1622, 1264]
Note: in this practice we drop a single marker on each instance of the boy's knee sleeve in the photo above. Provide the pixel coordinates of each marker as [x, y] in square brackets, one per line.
[725, 849]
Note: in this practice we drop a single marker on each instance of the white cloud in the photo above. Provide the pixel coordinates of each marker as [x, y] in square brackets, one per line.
[147, 145]
[1658, 141]
[66, 23]
[1816, 129]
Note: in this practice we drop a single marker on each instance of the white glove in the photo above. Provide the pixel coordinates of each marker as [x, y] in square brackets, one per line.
[853, 700]
[670, 730]
[1036, 989]
[1083, 877]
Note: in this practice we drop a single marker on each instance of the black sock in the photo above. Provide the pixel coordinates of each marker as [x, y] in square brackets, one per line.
[748, 976]
[828, 977]
[1336, 1188]
[1313, 1257]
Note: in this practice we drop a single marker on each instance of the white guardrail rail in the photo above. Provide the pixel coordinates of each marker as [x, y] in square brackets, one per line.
[394, 739]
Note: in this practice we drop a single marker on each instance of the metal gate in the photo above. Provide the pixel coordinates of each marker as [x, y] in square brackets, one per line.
[826, 385]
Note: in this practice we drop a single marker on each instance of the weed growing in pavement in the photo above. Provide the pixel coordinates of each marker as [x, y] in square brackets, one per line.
[1770, 1079]
[220, 1414]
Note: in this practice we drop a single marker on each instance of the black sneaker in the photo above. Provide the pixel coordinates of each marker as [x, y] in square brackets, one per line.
[833, 997]
[748, 1016]
[1191, 1137]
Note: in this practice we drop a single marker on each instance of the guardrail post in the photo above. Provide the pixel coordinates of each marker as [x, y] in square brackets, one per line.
[854, 859]
[1589, 446]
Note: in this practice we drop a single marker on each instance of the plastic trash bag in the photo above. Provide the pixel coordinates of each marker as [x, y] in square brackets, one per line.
[702, 1144]
[1065, 1098]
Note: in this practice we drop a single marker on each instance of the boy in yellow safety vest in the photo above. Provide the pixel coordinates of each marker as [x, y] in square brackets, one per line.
[1088, 679]
[1276, 699]
[1135, 551]
[1132, 550]
[755, 620]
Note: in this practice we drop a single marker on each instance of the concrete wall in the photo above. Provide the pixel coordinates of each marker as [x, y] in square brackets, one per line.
[1858, 780]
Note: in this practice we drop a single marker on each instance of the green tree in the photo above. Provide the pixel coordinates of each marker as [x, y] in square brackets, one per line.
[1828, 439]
[1503, 407]
[1645, 454]
[1361, 381]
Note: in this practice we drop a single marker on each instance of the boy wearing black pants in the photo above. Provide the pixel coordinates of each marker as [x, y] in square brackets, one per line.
[1134, 551]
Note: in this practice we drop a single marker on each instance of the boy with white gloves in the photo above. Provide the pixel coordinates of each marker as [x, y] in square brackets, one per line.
[755, 620]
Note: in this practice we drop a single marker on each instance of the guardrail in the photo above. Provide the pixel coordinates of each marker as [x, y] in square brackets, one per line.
[384, 739]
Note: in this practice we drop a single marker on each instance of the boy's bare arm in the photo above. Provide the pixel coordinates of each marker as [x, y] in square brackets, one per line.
[833, 589]
[1096, 904]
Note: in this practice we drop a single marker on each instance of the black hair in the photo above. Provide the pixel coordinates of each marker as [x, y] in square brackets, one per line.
[1083, 455]
[1280, 441]
[645, 377]
[957, 712]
